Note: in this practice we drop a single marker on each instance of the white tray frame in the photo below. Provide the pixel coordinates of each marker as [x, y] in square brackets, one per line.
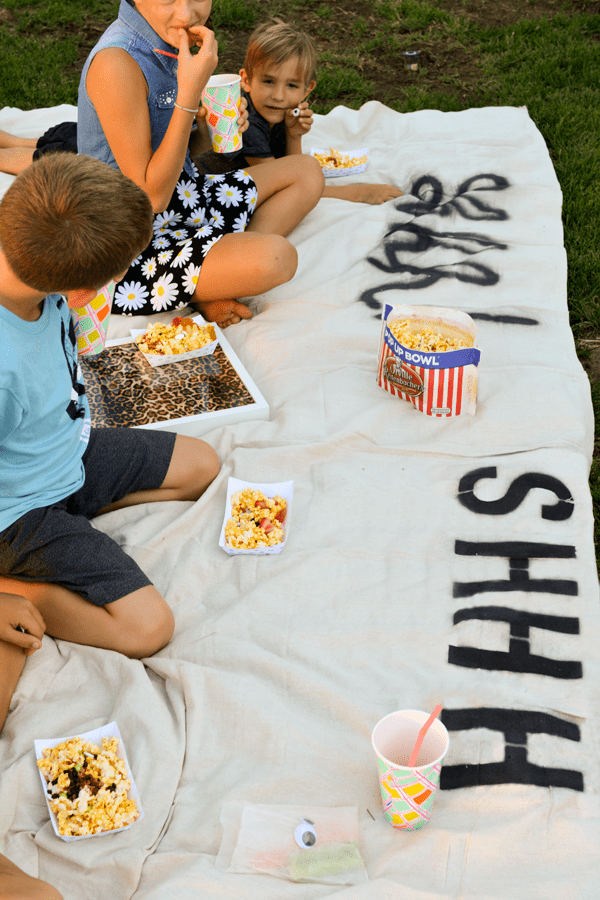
[195, 426]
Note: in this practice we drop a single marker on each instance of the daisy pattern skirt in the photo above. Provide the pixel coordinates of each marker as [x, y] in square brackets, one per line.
[201, 211]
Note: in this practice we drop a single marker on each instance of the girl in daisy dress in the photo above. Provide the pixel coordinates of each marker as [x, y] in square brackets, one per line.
[216, 237]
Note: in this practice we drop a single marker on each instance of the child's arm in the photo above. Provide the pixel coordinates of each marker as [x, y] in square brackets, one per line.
[20, 623]
[118, 91]
[296, 126]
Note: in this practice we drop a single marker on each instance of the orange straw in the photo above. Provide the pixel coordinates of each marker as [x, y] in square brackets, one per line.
[422, 732]
[164, 53]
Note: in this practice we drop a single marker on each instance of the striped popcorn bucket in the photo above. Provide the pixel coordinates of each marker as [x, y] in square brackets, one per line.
[439, 384]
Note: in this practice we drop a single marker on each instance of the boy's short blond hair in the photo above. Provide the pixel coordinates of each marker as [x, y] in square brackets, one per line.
[276, 43]
[71, 222]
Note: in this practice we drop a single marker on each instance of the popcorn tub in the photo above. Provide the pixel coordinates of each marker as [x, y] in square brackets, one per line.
[427, 356]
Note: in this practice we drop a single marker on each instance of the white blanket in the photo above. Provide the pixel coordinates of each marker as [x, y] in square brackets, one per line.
[428, 561]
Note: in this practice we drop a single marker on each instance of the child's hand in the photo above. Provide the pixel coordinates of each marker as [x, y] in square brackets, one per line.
[243, 116]
[21, 623]
[297, 126]
[193, 72]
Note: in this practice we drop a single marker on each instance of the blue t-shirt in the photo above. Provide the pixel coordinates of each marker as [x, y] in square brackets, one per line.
[44, 413]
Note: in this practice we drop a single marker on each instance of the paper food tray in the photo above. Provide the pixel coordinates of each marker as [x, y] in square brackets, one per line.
[95, 737]
[163, 359]
[285, 489]
[337, 173]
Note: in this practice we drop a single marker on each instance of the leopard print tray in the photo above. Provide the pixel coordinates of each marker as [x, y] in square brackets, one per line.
[125, 390]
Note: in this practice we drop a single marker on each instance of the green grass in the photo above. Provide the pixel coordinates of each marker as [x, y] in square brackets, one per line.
[416, 15]
[48, 78]
[243, 14]
[554, 69]
[45, 14]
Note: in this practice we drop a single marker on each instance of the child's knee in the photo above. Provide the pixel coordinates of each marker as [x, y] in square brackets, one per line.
[281, 264]
[313, 177]
[145, 623]
[154, 634]
[15, 884]
[197, 466]
[208, 464]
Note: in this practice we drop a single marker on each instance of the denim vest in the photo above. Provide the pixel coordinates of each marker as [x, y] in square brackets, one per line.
[133, 34]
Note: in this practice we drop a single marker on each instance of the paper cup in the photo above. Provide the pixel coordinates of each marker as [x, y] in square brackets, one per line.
[407, 794]
[91, 322]
[221, 97]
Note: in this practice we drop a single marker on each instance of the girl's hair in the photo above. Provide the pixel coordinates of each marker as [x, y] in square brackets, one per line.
[277, 43]
[69, 222]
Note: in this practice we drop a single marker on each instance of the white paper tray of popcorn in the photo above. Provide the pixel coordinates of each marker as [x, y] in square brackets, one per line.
[261, 530]
[106, 806]
[341, 162]
[162, 359]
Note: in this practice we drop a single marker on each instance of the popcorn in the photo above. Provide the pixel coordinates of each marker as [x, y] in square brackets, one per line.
[337, 160]
[87, 787]
[427, 336]
[256, 521]
[181, 336]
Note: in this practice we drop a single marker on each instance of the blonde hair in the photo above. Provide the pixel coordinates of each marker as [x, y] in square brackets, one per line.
[278, 42]
[71, 222]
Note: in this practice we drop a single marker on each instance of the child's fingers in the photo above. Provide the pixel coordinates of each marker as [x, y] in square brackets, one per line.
[184, 45]
[242, 119]
[305, 123]
[207, 43]
[301, 117]
[22, 638]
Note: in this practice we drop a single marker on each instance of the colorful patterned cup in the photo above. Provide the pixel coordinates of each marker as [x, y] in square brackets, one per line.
[91, 322]
[222, 98]
[408, 794]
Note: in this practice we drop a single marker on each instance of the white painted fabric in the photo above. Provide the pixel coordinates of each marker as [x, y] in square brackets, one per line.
[430, 561]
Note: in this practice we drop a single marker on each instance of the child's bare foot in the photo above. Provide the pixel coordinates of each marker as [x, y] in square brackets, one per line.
[222, 312]
[16, 885]
[363, 193]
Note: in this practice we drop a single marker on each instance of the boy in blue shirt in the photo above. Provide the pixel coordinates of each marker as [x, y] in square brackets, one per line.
[68, 225]
[278, 75]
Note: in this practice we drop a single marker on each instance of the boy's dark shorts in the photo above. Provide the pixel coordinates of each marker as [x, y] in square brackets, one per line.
[57, 544]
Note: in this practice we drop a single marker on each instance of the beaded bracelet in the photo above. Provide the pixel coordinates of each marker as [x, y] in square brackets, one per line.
[185, 109]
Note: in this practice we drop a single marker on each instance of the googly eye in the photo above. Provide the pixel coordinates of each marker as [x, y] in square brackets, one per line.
[305, 834]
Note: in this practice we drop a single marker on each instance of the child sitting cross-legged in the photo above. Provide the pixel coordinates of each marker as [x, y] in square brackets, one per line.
[68, 225]
[278, 75]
